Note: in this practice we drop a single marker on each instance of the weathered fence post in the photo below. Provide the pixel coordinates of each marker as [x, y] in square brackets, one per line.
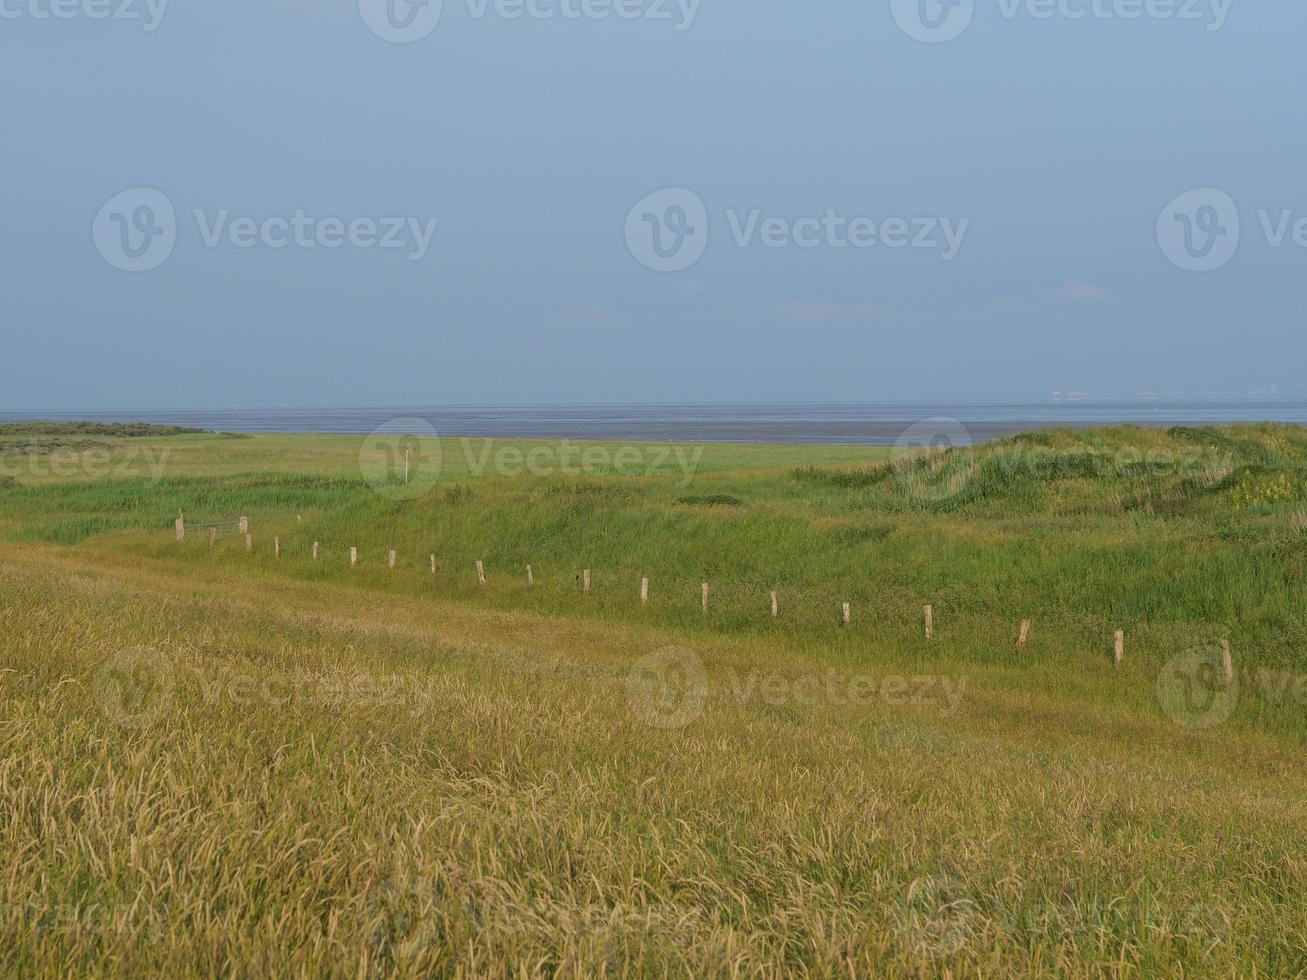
[775, 606]
[245, 525]
[845, 617]
[1025, 634]
[481, 573]
[585, 580]
[1118, 647]
[644, 591]
[530, 576]
[276, 547]
[703, 591]
[391, 561]
[180, 524]
[315, 551]
[930, 622]
[433, 564]
[353, 557]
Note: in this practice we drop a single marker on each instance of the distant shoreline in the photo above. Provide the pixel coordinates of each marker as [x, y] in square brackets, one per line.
[871, 424]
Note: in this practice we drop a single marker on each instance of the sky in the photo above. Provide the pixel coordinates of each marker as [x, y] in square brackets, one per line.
[266, 203]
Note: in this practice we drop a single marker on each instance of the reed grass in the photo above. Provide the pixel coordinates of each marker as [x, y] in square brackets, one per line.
[216, 761]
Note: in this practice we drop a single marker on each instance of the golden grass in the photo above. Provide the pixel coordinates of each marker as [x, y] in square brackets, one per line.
[456, 791]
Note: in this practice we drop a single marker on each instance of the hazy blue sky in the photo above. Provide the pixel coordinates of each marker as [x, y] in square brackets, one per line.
[1053, 142]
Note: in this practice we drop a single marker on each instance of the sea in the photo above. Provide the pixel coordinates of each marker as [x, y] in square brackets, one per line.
[869, 423]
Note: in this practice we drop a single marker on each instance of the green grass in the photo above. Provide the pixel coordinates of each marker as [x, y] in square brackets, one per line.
[200, 774]
[1178, 538]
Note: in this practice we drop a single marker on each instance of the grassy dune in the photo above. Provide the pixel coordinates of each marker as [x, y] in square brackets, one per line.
[220, 761]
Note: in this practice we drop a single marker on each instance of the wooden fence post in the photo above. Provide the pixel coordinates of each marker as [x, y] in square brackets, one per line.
[180, 524]
[315, 551]
[1025, 634]
[930, 622]
[1118, 647]
[481, 573]
[1227, 662]
[433, 564]
[276, 547]
[530, 576]
[644, 591]
[585, 581]
[845, 619]
[245, 525]
[353, 557]
[703, 591]
[391, 561]
[775, 607]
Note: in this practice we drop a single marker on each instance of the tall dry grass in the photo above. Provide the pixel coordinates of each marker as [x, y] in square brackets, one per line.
[205, 777]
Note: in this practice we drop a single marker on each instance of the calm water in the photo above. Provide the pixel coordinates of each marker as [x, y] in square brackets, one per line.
[850, 424]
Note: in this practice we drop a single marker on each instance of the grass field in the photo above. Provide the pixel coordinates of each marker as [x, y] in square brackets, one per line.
[215, 760]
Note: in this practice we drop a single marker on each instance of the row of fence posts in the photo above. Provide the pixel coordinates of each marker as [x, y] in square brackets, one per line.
[846, 609]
